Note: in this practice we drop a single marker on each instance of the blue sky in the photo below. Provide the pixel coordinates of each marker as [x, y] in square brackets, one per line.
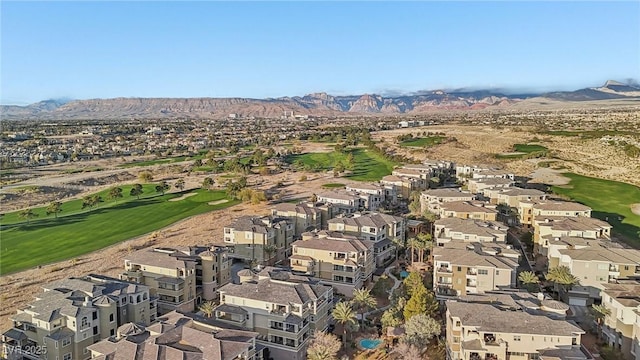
[87, 50]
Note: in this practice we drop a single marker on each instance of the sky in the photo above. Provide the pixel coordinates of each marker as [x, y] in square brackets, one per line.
[95, 49]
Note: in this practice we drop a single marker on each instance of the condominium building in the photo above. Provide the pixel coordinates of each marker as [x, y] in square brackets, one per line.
[283, 309]
[176, 336]
[468, 230]
[343, 202]
[342, 261]
[381, 192]
[432, 199]
[461, 268]
[404, 185]
[492, 174]
[499, 328]
[304, 216]
[419, 177]
[528, 210]
[476, 210]
[464, 172]
[546, 228]
[265, 240]
[598, 265]
[553, 245]
[379, 228]
[619, 327]
[513, 196]
[482, 185]
[74, 313]
[180, 278]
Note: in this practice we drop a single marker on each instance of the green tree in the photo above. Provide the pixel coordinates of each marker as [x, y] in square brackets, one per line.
[91, 201]
[55, 207]
[323, 346]
[162, 187]
[420, 329]
[391, 317]
[136, 191]
[407, 351]
[179, 184]
[417, 304]
[207, 183]
[425, 243]
[413, 282]
[600, 312]
[562, 276]
[413, 244]
[343, 314]
[114, 193]
[207, 308]
[27, 214]
[529, 279]
[363, 300]
[269, 250]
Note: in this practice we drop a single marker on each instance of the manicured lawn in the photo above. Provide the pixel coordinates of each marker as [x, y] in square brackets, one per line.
[608, 199]
[367, 165]
[522, 150]
[423, 141]
[48, 240]
[333, 185]
[164, 161]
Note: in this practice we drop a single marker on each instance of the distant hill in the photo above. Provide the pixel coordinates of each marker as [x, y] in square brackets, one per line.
[316, 104]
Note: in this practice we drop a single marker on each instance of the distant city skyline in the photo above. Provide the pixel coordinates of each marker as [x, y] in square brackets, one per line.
[83, 50]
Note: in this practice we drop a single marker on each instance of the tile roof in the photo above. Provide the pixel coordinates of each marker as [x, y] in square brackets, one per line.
[275, 291]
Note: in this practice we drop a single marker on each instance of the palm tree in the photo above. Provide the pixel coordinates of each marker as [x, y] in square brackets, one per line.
[207, 308]
[343, 313]
[399, 244]
[363, 300]
[426, 243]
[413, 243]
[270, 249]
[600, 312]
[561, 275]
[529, 279]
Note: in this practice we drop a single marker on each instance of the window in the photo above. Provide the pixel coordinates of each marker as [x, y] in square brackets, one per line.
[459, 268]
[497, 272]
[95, 315]
[95, 330]
[84, 322]
[111, 318]
[66, 342]
[456, 339]
[626, 267]
[483, 272]
[112, 332]
[516, 338]
[457, 323]
[67, 356]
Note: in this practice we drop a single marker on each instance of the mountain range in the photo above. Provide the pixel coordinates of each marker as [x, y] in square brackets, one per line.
[316, 104]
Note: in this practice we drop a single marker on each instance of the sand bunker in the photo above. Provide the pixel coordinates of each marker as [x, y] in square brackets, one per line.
[549, 177]
[635, 208]
[183, 197]
[218, 202]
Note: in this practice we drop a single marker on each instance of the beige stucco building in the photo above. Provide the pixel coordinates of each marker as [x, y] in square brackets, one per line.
[620, 326]
[265, 240]
[476, 210]
[304, 216]
[432, 199]
[467, 230]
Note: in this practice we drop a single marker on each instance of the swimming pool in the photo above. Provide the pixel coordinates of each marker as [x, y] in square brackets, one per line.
[404, 274]
[370, 343]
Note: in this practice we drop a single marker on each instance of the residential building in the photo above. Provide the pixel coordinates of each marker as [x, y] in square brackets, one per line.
[479, 186]
[619, 326]
[547, 228]
[381, 193]
[304, 216]
[266, 239]
[468, 230]
[520, 328]
[492, 174]
[514, 195]
[344, 202]
[553, 246]
[461, 268]
[180, 278]
[528, 210]
[404, 185]
[74, 313]
[595, 266]
[342, 261]
[283, 309]
[476, 210]
[379, 228]
[176, 336]
[420, 177]
[464, 172]
[432, 199]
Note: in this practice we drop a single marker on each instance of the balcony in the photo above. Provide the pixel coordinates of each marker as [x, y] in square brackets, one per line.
[472, 271]
[133, 275]
[443, 269]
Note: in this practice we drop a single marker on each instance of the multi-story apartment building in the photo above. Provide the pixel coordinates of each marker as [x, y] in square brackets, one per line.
[514, 195]
[595, 266]
[432, 199]
[342, 261]
[343, 202]
[305, 216]
[464, 172]
[404, 185]
[419, 177]
[549, 228]
[266, 240]
[381, 192]
[499, 328]
[461, 268]
[482, 185]
[74, 313]
[476, 210]
[492, 174]
[379, 228]
[177, 336]
[180, 278]
[528, 210]
[467, 230]
[620, 326]
[284, 311]
[554, 245]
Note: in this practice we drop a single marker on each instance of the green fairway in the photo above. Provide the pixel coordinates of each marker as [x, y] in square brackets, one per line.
[367, 165]
[333, 185]
[608, 199]
[423, 141]
[47, 240]
[524, 150]
[169, 160]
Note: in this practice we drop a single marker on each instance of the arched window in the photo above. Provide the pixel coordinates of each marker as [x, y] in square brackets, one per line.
[144, 296]
[139, 298]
